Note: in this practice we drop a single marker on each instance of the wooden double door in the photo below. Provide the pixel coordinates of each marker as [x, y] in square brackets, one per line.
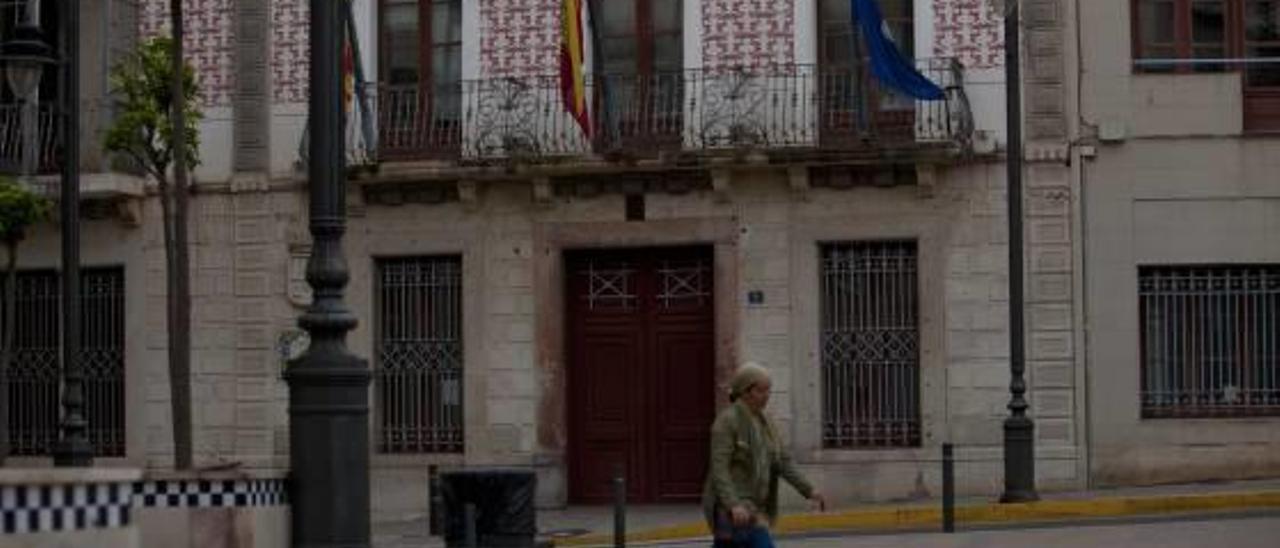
[641, 361]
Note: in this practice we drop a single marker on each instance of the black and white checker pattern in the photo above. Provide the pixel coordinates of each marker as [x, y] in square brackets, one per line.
[41, 508]
[44, 508]
[209, 493]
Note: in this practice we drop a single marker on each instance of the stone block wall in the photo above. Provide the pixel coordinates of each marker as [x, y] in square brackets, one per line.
[239, 310]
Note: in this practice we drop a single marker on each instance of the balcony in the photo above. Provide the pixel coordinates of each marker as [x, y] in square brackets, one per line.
[43, 126]
[793, 112]
[14, 145]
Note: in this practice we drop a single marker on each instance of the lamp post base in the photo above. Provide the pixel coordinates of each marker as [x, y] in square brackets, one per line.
[74, 452]
[1019, 460]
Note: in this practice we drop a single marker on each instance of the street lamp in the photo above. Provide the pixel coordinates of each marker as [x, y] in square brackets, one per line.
[328, 386]
[25, 56]
[1019, 430]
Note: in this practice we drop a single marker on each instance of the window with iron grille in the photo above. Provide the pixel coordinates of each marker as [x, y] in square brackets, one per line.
[419, 355]
[33, 374]
[1210, 340]
[870, 345]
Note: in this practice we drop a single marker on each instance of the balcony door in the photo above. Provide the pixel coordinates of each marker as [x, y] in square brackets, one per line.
[853, 106]
[639, 97]
[1185, 36]
[1261, 41]
[420, 70]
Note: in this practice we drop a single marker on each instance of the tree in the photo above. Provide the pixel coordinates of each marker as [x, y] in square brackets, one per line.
[19, 209]
[149, 117]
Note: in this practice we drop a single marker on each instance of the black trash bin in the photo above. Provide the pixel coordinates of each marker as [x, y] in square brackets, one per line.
[503, 501]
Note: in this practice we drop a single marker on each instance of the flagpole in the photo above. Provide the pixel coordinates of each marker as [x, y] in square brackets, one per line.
[597, 70]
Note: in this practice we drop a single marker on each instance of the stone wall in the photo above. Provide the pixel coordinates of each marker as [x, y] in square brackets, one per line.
[249, 253]
[239, 311]
[1173, 182]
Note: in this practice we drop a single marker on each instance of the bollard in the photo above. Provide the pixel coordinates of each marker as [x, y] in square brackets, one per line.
[435, 505]
[469, 514]
[948, 489]
[619, 509]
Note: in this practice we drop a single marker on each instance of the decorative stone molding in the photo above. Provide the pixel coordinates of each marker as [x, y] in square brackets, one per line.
[721, 183]
[245, 182]
[469, 194]
[798, 180]
[673, 182]
[129, 212]
[543, 192]
[299, 291]
[926, 180]
[394, 194]
[251, 95]
[355, 202]
[1047, 152]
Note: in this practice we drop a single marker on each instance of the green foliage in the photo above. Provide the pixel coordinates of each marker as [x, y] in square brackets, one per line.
[143, 129]
[19, 209]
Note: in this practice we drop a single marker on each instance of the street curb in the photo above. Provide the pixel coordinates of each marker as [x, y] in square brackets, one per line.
[918, 517]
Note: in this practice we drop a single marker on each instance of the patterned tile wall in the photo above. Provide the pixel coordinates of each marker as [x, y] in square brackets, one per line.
[290, 64]
[748, 32]
[970, 30]
[208, 43]
[519, 37]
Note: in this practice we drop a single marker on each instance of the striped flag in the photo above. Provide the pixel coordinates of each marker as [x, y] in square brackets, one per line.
[572, 81]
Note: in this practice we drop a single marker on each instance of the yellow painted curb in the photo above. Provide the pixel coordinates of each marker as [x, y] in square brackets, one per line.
[919, 516]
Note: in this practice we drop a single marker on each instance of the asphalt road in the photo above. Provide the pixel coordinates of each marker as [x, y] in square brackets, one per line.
[1231, 530]
[1261, 531]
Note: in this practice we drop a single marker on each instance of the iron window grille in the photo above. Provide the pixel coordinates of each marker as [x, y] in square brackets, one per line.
[870, 345]
[34, 374]
[1210, 340]
[419, 355]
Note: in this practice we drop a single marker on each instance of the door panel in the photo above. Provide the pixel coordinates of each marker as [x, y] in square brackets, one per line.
[640, 376]
[607, 411]
[684, 406]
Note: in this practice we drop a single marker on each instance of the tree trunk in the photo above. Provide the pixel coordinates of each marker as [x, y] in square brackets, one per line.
[179, 262]
[6, 353]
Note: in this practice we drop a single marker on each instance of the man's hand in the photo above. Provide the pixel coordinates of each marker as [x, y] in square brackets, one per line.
[818, 500]
[741, 516]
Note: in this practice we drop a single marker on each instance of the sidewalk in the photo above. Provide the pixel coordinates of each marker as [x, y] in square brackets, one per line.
[593, 525]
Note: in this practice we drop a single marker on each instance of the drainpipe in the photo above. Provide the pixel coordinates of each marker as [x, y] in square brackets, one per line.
[1080, 286]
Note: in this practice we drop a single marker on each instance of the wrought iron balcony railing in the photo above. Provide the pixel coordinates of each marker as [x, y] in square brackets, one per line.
[801, 107]
[38, 137]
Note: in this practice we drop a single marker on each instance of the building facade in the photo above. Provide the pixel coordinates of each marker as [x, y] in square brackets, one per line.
[1181, 213]
[571, 298]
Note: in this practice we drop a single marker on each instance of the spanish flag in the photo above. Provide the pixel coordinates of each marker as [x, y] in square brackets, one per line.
[572, 81]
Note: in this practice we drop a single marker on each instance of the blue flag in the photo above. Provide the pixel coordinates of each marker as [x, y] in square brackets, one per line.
[887, 62]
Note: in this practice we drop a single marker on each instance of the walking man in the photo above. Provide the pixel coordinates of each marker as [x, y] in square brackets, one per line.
[740, 497]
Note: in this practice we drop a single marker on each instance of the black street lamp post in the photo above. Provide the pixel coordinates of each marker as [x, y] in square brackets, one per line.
[73, 446]
[24, 57]
[1019, 430]
[328, 386]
